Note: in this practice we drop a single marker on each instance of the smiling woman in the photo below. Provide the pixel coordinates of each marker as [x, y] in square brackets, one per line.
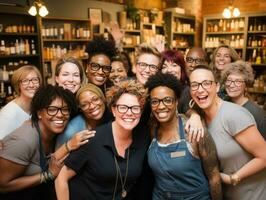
[109, 166]
[26, 80]
[69, 73]
[91, 102]
[28, 163]
[99, 62]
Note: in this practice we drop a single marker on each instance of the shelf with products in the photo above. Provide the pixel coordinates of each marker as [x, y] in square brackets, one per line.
[63, 36]
[218, 31]
[256, 41]
[180, 30]
[152, 33]
[19, 43]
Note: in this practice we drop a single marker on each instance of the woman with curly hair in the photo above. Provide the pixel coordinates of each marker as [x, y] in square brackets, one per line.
[237, 77]
[99, 62]
[109, 166]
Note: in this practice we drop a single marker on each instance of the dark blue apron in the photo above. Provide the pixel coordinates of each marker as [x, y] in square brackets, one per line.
[178, 174]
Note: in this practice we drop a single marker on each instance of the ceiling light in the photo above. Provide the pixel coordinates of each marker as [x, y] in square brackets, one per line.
[39, 8]
[231, 11]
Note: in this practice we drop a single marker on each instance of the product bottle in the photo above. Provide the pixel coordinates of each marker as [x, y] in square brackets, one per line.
[2, 48]
[27, 47]
[33, 50]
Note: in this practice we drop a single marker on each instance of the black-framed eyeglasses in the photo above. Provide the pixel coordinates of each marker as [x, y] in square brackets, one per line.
[94, 100]
[167, 101]
[53, 110]
[95, 67]
[124, 108]
[237, 82]
[143, 66]
[196, 60]
[34, 80]
[204, 84]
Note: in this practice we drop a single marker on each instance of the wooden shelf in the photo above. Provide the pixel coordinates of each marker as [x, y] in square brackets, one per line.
[225, 33]
[81, 58]
[259, 65]
[131, 31]
[65, 19]
[181, 33]
[256, 47]
[256, 92]
[19, 34]
[263, 32]
[64, 40]
[18, 56]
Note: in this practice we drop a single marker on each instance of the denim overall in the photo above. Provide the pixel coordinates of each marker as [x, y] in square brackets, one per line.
[178, 175]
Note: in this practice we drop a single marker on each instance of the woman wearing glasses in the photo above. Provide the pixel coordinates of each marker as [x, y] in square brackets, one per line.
[173, 63]
[25, 80]
[237, 77]
[69, 73]
[182, 170]
[99, 62]
[28, 163]
[91, 102]
[240, 146]
[109, 166]
[222, 56]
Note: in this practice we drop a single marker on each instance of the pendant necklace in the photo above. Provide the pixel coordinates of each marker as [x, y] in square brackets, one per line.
[119, 174]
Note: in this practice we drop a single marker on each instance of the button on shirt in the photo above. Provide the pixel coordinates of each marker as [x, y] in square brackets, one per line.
[95, 165]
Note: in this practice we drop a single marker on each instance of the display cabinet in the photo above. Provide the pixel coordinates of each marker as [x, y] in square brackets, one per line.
[19, 45]
[217, 31]
[180, 30]
[62, 36]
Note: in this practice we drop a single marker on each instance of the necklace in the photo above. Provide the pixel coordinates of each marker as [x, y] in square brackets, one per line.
[118, 173]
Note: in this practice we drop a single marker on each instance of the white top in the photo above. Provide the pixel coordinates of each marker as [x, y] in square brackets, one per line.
[12, 116]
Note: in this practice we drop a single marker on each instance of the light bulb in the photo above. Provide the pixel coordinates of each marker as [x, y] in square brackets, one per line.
[236, 12]
[43, 11]
[227, 13]
[32, 11]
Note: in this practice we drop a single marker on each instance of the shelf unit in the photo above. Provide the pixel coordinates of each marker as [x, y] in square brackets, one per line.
[62, 36]
[20, 44]
[180, 30]
[218, 30]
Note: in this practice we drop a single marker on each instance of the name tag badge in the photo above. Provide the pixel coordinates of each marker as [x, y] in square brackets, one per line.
[177, 154]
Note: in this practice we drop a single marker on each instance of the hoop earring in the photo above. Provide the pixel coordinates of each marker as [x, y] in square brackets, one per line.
[191, 103]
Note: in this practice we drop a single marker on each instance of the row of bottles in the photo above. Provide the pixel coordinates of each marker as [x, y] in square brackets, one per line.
[131, 40]
[259, 84]
[55, 52]
[182, 27]
[7, 94]
[20, 29]
[18, 47]
[64, 32]
[180, 42]
[226, 25]
[255, 25]
[258, 56]
[256, 41]
[235, 41]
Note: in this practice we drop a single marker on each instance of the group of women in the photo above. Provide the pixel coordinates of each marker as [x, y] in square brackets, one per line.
[99, 145]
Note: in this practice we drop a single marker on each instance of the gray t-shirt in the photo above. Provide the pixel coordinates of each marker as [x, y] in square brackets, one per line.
[259, 114]
[22, 147]
[230, 120]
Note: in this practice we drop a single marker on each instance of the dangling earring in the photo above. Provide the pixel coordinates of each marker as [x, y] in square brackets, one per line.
[191, 103]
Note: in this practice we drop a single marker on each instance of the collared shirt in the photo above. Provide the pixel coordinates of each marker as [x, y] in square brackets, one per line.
[95, 166]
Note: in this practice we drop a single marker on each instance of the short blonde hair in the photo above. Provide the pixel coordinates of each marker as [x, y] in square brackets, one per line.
[128, 86]
[240, 67]
[145, 48]
[21, 74]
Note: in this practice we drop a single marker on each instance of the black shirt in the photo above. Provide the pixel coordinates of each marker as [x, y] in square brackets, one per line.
[95, 165]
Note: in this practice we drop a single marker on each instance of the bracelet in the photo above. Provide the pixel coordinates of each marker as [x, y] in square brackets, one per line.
[67, 148]
[46, 176]
[234, 179]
